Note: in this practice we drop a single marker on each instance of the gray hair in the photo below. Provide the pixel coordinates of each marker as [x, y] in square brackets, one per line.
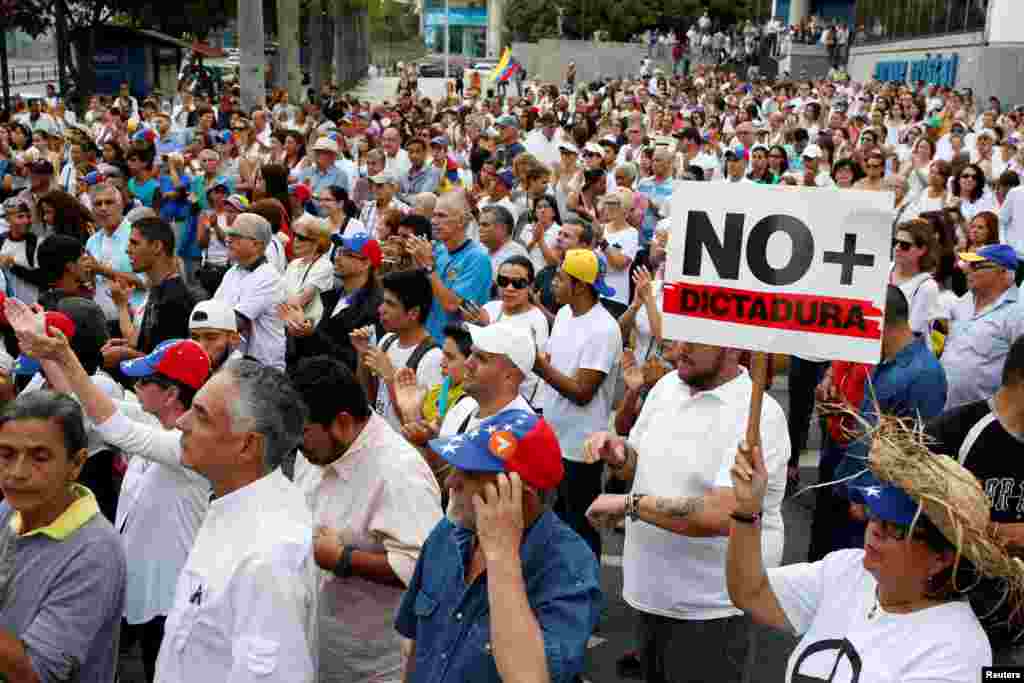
[426, 200]
[267, 404]
[501, 215]
[629, 168]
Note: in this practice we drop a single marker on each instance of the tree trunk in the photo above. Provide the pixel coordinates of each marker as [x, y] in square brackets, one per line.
[288, 47]
[314, 34]
[251, 54]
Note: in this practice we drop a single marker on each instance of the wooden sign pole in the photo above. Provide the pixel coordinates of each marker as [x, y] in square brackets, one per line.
[759, 379]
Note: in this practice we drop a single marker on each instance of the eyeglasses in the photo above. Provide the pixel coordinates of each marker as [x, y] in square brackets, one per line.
[303, 238]
[516, 283]
[971, 176]
[903, 245]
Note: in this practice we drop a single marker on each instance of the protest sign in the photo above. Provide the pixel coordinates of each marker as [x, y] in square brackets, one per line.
[779, 269]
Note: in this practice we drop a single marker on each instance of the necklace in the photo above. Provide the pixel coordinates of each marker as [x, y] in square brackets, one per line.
[878, 608]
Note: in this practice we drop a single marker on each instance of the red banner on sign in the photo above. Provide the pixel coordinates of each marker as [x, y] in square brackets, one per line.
[800, 312]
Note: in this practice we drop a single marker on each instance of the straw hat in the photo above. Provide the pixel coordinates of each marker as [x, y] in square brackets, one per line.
[953, 500]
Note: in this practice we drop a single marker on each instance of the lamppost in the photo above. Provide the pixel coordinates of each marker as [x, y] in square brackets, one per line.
[447, 39]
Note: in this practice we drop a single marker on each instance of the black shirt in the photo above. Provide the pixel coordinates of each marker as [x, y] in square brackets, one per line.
[996, 458]
[166, 314]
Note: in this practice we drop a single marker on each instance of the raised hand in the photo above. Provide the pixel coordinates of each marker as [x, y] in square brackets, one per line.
[409, 395]
[643, 290]
[749, 479]
[632, 372]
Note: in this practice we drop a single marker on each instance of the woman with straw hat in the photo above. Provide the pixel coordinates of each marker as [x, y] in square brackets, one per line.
[893, 611]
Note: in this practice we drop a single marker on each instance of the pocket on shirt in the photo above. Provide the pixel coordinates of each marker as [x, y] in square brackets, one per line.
[986, 344]
[261, 654]
[425, 606]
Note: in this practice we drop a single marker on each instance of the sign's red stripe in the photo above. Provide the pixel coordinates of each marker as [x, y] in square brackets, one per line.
[801, 312]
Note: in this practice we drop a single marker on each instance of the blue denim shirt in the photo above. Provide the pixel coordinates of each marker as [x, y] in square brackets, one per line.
[450, 621]
[912, 385]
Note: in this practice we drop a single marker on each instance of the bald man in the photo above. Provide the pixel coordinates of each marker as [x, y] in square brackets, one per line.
[458, 267]
[396, 159]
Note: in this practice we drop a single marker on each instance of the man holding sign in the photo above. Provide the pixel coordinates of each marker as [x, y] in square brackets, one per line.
[792, 272]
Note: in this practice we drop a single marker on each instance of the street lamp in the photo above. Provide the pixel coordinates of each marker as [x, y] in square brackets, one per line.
[447, 39]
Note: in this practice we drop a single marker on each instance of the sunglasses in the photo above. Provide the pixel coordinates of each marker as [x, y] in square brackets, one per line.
[516, 283]
[965, 176]
[903, 245]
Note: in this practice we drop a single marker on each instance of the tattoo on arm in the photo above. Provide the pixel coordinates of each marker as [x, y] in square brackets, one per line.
[678, 507]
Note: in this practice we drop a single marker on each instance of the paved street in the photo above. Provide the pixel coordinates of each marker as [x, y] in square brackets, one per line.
[380, 89]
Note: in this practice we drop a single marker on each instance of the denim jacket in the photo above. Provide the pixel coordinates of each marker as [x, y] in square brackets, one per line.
[450, 621]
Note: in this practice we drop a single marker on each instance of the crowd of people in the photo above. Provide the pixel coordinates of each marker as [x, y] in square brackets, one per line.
[348, 391]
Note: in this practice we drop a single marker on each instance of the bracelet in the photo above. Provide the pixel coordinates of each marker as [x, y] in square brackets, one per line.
[746, 519]
[343, 569]
[633, 505]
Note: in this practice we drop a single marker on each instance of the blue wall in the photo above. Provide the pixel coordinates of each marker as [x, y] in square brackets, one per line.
[842, 9]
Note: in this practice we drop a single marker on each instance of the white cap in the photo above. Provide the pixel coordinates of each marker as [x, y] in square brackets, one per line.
[325, 144]
[568, 147]
[213, 314]
[593, 148]
[508, 340]
[812, 152]
[987, 133]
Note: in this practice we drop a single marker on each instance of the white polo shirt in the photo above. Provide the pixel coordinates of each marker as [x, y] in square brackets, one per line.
[686, 443]
[382, 497]
[245, 604]
[256, 295]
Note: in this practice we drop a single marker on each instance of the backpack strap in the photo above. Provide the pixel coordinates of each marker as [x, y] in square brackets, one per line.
[422, 349]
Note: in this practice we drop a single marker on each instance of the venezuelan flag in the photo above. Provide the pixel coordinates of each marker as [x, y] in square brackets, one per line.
[509, 71]
[502, 66]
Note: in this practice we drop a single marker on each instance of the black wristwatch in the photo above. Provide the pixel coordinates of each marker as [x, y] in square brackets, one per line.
[343, 569]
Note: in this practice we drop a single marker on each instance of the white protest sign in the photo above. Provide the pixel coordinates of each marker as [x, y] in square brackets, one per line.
[779, 269]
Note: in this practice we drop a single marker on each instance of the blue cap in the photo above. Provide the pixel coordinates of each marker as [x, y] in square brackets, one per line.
[182, 360]
[507, 120]
[511, 441]
[1000, 254]
[507, 176]
[885, 500]
[439, 141]
[360, 243]
[26, 366]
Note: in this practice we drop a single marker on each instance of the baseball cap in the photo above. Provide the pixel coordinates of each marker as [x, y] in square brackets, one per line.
[759, 146]
[886, 501]
[221, 182]
[27, 365]
[182, 360]
[251, 226]
[16, 205]
[362, 244]
[41, 167]
[511, 341]
[439, 141]
[592, 148]
[1000, 254]
[383, 177]
[325, 144]
[94, 178]
[568, 147]
[986, 133]
[812, 152]
[214, 315]
[510, 441]
[506, 176]
[239, 202]
[586, 266]
[507, 120]
[301, 192]
[732, 154]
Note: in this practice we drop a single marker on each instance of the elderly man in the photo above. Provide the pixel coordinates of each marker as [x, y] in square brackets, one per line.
[107, 252]
[325, 173]
[64, 566]
[374, 501]
[678, 457]
[396, 159]
[423, 204]
[459, 271]
[543, 142]
[532, 618]
[254, 288]
[496, 229]
[383, 187]
[983, 325]
[40, 176]
[509, 146]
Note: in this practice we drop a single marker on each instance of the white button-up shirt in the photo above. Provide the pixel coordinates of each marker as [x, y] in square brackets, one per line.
[256, 294]
[245, 606]
[686, 443]
[161, 506]
[382, 497]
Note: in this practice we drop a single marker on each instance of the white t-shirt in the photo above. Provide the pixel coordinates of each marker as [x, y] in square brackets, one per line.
[256, 295]
[319, 275]
[628, 242]
[428, 373]
[830, 603]
[536, 255]
[644, 333]
[922, 293]
[590, 341]
[464, 412]
[535, 322]
[686, 444]
[20, 288]
[216, 250]
[276, 255]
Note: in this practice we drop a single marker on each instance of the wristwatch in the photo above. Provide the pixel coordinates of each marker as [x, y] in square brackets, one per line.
[343, 569]
[633, 505]
[429, 270]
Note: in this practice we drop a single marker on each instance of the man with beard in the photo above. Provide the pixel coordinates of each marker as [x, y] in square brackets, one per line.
[531, 618]
[374, 502]
[213, 325]
[677, 458]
